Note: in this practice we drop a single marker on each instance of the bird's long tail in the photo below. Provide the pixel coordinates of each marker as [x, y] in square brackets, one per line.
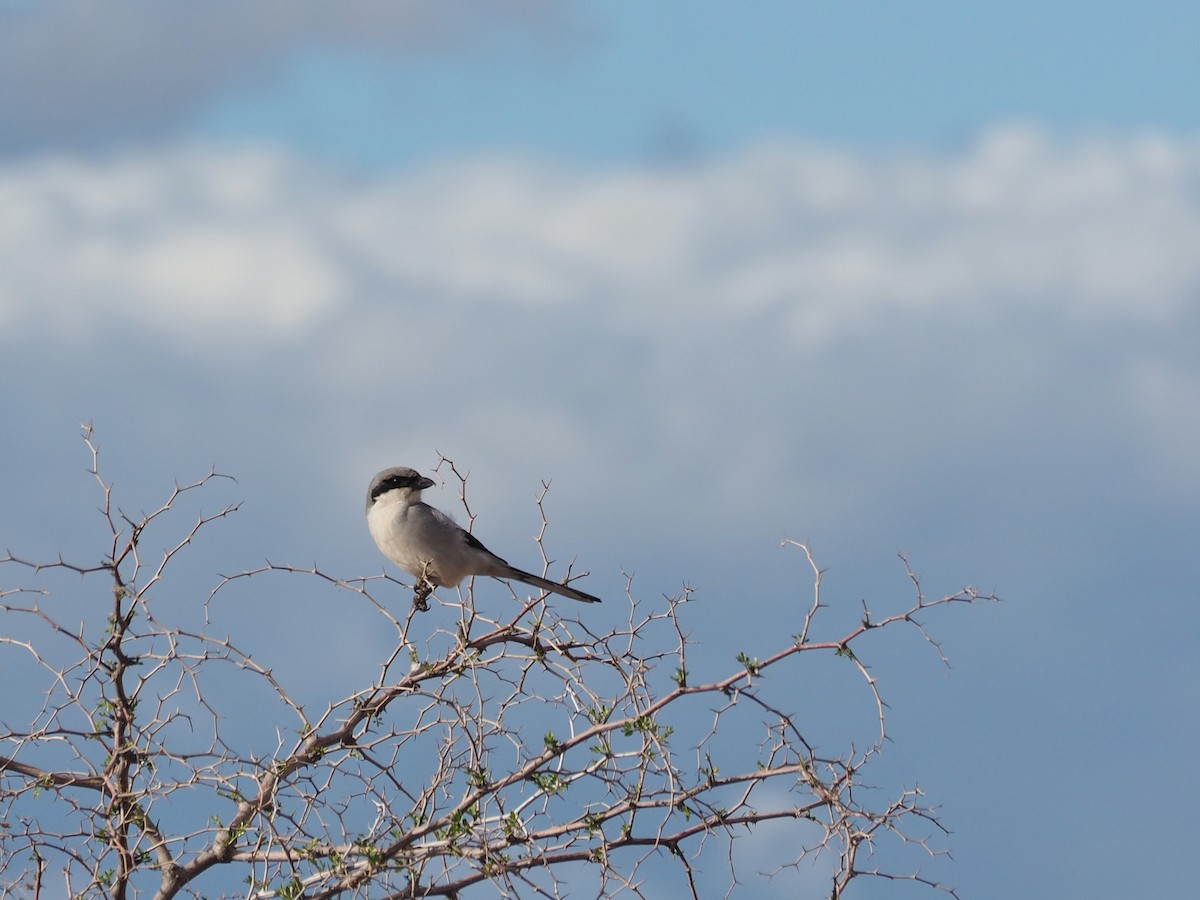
[555, 587]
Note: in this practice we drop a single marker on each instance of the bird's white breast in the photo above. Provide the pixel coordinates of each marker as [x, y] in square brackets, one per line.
[420, 540]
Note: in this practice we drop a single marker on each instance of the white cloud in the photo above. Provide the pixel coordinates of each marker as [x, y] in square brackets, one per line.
[744, 314]
[170, 243]
[1020, 224]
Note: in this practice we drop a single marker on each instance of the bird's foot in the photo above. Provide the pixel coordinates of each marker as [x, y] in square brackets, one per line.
[421, 595]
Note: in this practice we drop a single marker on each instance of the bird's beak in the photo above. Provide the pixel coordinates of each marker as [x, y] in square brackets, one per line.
[425, 483]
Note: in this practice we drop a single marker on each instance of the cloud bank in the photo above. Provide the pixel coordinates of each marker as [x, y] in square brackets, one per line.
[823, 244]
[819, 318]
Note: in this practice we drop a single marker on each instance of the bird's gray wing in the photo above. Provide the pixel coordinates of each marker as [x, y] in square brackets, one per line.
[496, 567]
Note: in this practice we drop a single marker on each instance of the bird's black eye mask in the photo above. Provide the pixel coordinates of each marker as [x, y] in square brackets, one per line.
[393, 482]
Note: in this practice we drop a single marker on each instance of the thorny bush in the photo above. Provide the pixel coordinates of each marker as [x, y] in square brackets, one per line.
[517, 752]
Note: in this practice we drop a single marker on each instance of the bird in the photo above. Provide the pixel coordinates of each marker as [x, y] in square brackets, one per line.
[429, 545]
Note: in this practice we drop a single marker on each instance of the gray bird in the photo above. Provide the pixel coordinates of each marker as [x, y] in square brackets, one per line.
[429, 545]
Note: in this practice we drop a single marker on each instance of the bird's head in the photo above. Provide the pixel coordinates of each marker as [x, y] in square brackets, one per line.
[398, 478]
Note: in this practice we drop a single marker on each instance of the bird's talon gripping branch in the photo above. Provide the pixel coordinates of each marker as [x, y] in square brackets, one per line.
[421, 595]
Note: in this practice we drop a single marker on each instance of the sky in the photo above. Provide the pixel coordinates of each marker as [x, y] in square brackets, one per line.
[917, 278]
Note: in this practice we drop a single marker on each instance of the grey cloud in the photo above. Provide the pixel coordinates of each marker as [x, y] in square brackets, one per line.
[77, 73]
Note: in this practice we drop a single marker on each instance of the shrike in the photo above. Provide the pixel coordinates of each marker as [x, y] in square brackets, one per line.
[429, 545]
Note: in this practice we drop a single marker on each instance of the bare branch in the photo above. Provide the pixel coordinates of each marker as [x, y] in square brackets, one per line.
[502, 749]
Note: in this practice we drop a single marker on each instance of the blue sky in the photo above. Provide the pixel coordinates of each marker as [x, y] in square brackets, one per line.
[622, 82]
[610, 82]
[597, 81]
[918, 277]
